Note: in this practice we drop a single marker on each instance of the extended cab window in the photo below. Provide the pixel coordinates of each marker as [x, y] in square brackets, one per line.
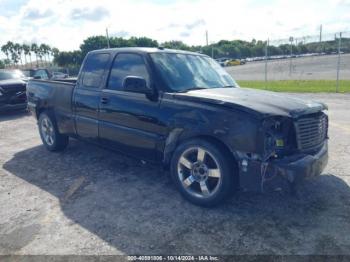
[94, 68]
[127, 65]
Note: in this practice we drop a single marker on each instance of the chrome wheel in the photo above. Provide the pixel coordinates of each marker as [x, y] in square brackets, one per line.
[199, 172]
[47, 131]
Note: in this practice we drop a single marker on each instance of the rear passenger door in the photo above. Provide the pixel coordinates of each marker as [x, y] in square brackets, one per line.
[86, 97]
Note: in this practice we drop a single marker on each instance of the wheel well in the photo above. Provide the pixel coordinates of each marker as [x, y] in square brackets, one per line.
[43, 109]
[39, 111]
[223, 147]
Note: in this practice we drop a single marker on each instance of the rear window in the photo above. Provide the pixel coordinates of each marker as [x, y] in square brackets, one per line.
[93, 70]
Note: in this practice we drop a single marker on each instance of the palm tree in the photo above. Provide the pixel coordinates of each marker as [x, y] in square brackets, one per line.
[8, 49]
[7, 62]
[42, 52]
[18, 50]
[5, 50]
[13, 52]
[54, 52]
[26, 50]
[49, 54]
[46, 49]
[34, 47]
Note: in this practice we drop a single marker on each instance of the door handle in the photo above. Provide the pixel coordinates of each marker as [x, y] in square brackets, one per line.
[104, 100]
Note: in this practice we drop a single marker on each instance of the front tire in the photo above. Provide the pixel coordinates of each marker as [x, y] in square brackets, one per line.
[50, 136]
[202, 172]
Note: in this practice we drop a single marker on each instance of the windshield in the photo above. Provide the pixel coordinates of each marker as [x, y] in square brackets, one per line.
[6, 75]
[183, 72]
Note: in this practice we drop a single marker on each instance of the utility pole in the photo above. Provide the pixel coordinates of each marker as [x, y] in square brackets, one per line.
[338, 66]
[266, 48]
[206, 37]
[320, 33]
[291, 53]
[107, 38]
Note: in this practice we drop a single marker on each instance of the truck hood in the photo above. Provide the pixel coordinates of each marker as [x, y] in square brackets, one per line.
[11, 82]
[259, 102]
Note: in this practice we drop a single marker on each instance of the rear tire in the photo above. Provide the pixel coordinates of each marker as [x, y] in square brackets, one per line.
[50, 136]
[202, 173]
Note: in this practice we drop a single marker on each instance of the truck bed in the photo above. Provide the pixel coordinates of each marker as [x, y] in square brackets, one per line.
[56, 96]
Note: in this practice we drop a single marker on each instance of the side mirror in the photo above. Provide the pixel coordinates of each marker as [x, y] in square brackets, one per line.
[136, 84]
[37, 77]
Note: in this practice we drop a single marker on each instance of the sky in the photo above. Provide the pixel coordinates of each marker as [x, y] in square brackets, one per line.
[66, 23]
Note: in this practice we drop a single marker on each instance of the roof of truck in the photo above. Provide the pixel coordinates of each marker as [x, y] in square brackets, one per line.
[144, 50]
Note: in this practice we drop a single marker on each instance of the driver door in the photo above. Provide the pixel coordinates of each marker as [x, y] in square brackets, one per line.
[128, 121]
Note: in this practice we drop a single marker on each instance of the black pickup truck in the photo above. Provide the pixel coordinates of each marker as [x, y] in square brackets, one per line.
[182, 110]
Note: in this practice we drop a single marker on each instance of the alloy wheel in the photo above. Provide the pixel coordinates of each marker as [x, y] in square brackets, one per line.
[47, 131]
[199, 172]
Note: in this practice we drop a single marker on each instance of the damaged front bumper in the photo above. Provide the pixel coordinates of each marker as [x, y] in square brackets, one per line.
[283, 173]
[13, 102]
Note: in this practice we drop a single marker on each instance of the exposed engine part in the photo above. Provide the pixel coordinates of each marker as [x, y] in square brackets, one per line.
[263, 169]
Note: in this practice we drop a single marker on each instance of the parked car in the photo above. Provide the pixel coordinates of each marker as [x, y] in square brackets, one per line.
[12, 90]
[222, 61]
[214, 136]
[59, 75]
[234, 62]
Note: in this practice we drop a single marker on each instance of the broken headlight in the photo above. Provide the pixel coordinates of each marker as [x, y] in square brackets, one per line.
[277, 135]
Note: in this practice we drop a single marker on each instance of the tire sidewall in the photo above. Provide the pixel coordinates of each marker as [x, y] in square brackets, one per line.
[227, 181]
[41, 118]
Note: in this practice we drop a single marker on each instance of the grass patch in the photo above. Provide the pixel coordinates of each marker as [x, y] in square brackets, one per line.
[299, 86]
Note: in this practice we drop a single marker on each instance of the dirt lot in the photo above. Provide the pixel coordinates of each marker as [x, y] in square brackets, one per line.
[87, 200]
[303, 68]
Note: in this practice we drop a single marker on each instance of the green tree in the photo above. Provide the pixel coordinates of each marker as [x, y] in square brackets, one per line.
[176, 45]
[35, 49]
[26, 51]
[6, 49]
[18, 50]
[45, 52]
[71, 58]
[54, 51]
[93, 43]
[143, 42]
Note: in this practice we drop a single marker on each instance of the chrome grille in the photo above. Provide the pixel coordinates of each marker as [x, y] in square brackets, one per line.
[311, 131]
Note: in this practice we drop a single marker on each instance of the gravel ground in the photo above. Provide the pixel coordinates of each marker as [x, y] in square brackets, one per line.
[303, 68]
[87, 200]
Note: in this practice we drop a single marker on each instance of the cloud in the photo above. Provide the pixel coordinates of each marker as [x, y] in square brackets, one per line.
[190, 26]
[120, 34]
[344, 3]
[34, 14]
[197, 23]
[185, 34]
[94, 14]
[66, 23]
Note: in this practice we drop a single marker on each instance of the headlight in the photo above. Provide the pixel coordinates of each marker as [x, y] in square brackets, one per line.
[275, 136]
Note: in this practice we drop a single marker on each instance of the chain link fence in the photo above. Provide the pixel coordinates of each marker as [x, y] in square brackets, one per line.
[309, 63]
